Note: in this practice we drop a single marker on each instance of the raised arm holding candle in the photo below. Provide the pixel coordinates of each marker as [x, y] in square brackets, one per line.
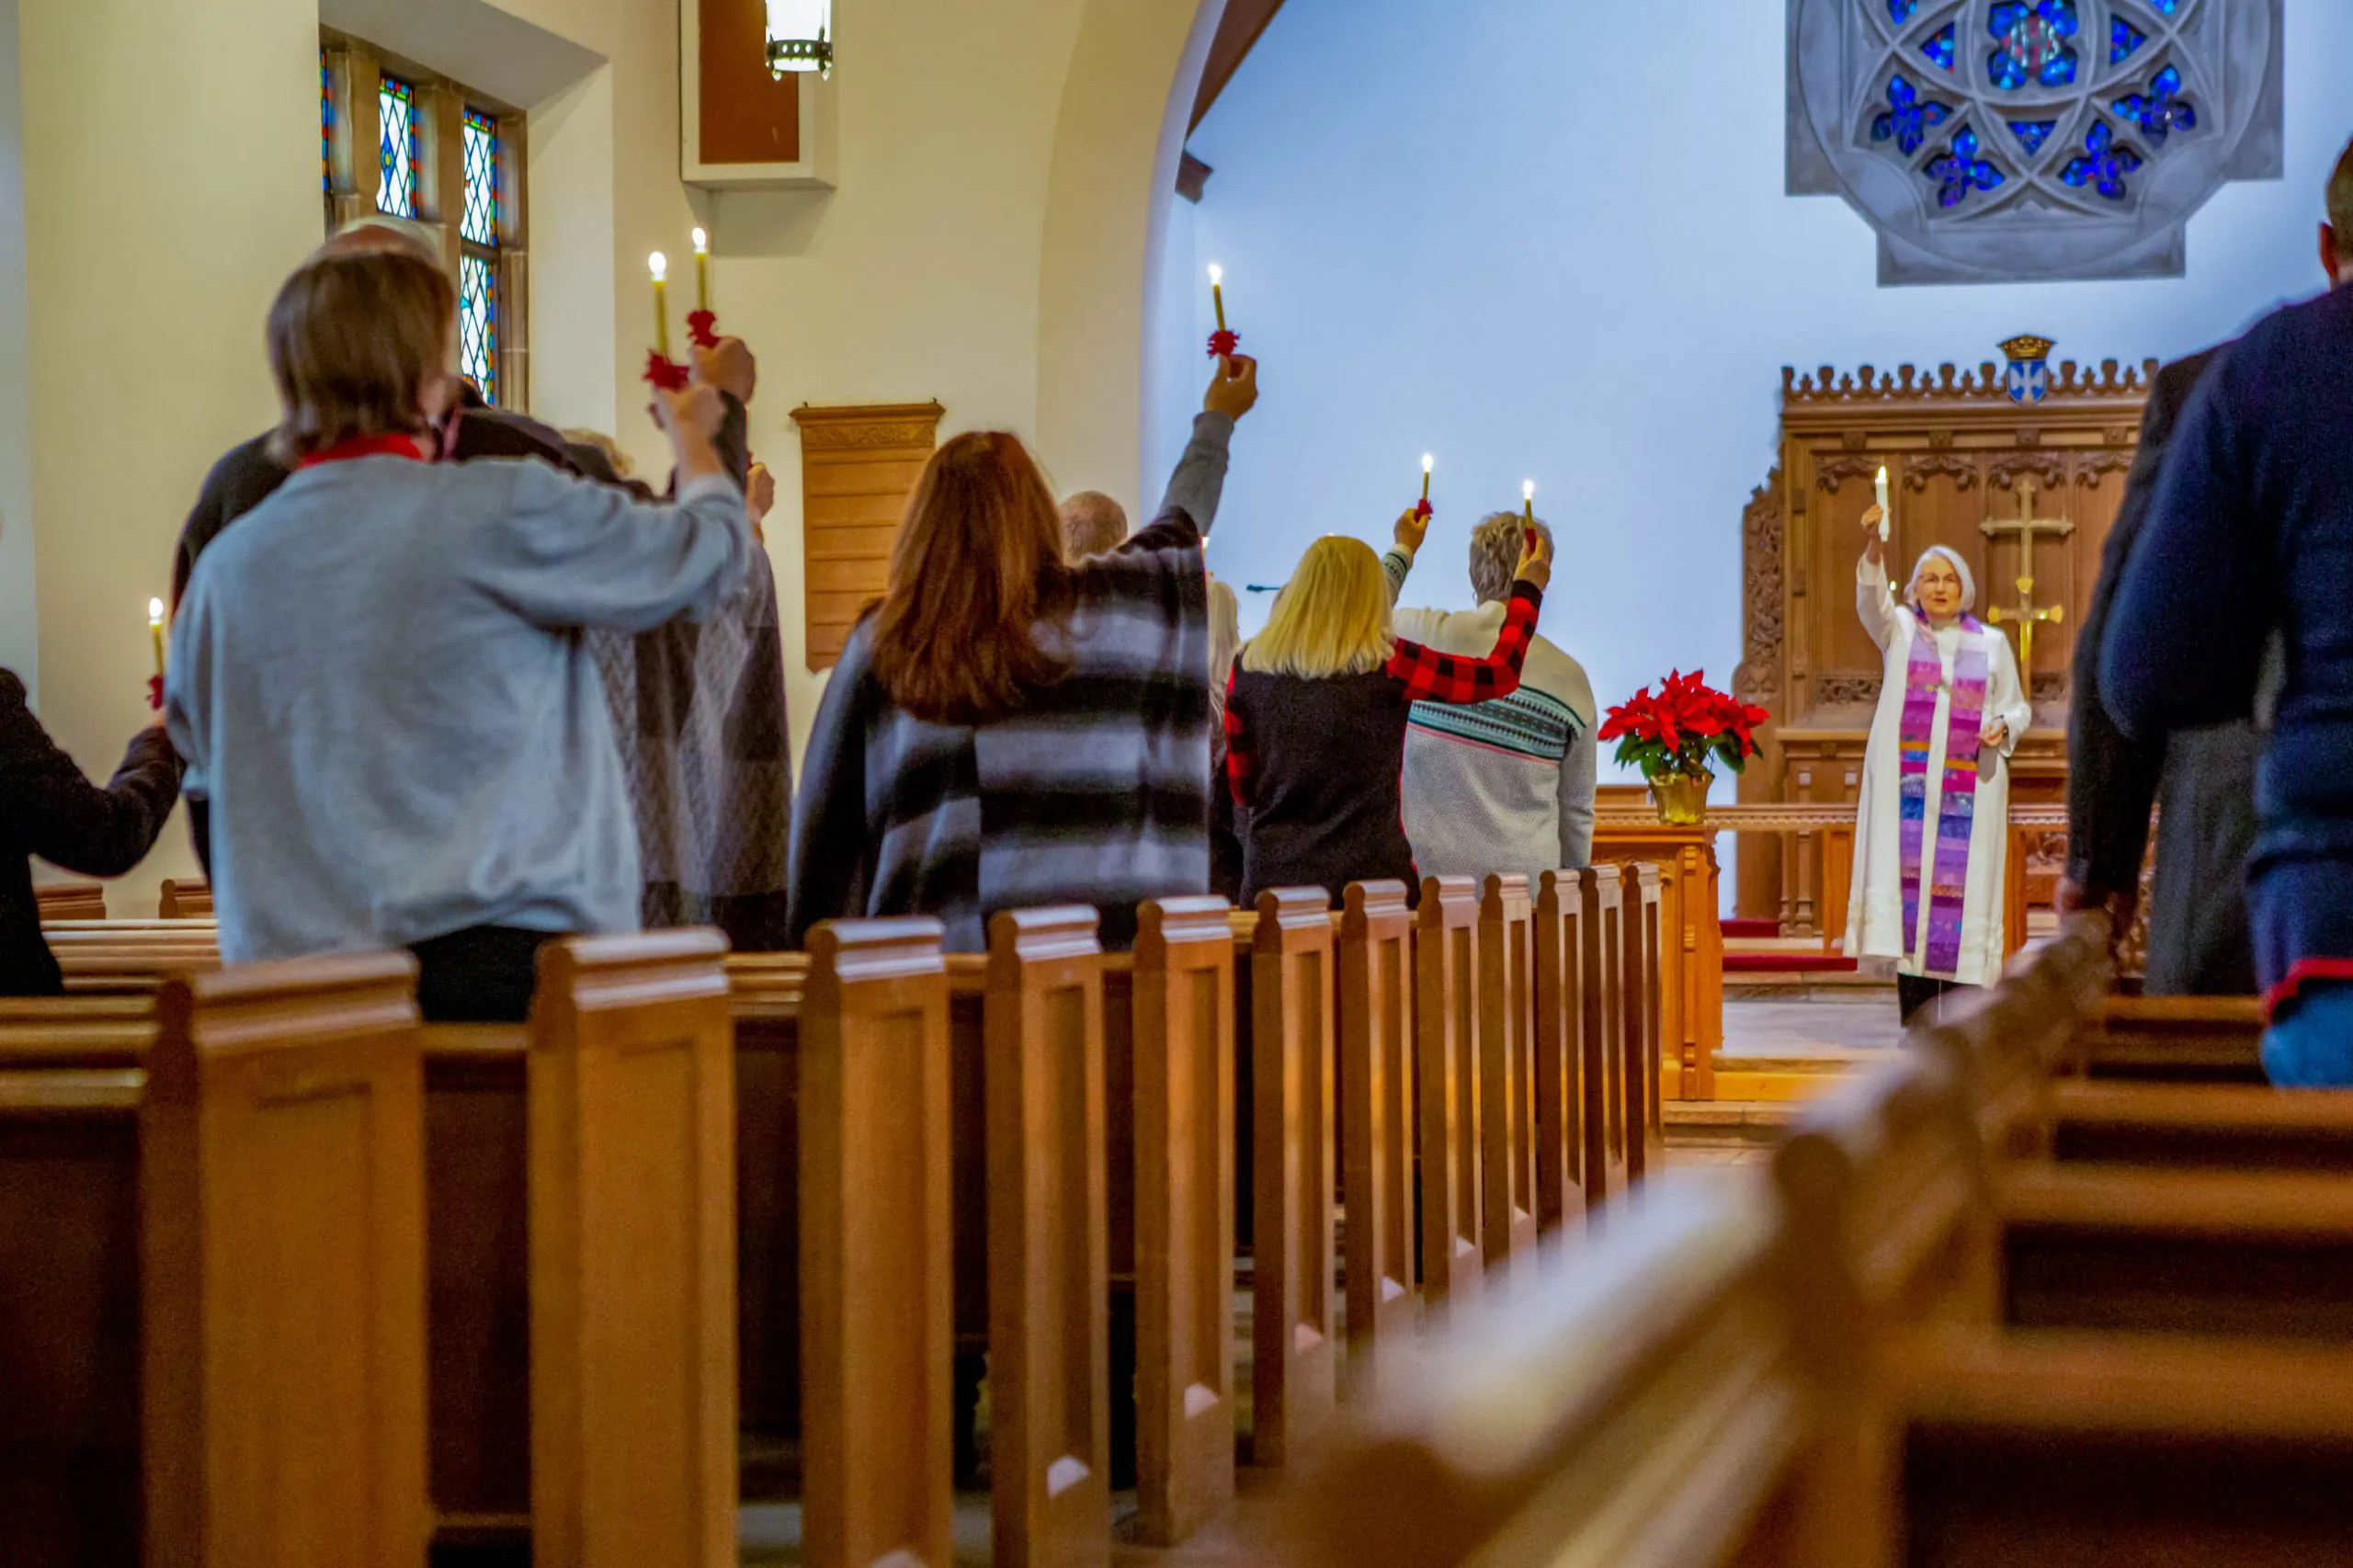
[664, 373]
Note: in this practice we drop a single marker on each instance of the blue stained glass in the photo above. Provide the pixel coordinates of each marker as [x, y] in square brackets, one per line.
[2123, 38]
[2032, 38]
[396, 148]
[326, 126]
[2032, 133]
[2104, 165]
[1961, 170]
[1899, 11]
[478, 324]
[1909, 117]
[1939, 49]
[479, 223]
[2161, 110]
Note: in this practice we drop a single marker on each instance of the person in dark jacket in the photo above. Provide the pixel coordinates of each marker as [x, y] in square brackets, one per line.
[1315, 719]
[2249, 540]
[2200, 944]
[48, 809]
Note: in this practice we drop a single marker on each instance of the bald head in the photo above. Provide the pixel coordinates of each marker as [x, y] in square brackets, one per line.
[1093, 523]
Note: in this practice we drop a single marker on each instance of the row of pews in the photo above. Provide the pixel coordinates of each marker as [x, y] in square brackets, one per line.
[2066, 1285]
[280, 1265]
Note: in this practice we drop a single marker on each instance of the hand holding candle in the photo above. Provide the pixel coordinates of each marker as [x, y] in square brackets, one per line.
[1879, 485]
[1223, 341]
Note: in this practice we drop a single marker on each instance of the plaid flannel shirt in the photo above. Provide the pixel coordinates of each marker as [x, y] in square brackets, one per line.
[1426, 675]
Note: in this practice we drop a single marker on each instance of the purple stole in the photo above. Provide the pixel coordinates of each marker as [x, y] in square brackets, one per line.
[1948, 877]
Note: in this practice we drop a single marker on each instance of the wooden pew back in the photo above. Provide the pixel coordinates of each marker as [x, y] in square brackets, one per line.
[1505, 1062]
[632, 1223]
[1377, 1008]
[281, 1160]
[1562, 1048]
[1446, 1128]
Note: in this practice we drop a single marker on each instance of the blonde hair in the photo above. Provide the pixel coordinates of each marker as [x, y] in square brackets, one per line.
[1225, 641]
[1332, 618]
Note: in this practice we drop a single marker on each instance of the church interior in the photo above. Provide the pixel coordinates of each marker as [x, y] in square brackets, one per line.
[1706, 1050]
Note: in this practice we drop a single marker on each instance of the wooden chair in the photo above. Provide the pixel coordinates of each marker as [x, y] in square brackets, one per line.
[1047, 1224]
[1446, 994]
[1294, 1328]
[1377, 1104]
[632, 1253]
[875, 1293]
[1506, 1075]
[281, 1177]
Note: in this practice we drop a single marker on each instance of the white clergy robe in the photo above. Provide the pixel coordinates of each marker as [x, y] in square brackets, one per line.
[1875, 906]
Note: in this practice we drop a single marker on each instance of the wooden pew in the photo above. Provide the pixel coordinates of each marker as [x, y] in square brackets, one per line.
[633, 1234]
[1294, 1364]
[480, 1261]
[1638, 1403]
[1608, 1161]
[188, 898]
[1564, 1045]
[70, 901]
[874, 1286]
[1446, 1142]
[1506, 1071]
[1377, 1009]
[1646, 967]
[280, 1411]
[2174, 1039]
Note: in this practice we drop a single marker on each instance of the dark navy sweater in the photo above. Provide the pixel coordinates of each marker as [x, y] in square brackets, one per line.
[2252, 534]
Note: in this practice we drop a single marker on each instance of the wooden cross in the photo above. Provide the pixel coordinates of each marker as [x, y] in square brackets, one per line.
[2025, 525]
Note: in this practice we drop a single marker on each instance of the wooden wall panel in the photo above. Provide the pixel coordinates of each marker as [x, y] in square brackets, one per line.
[858, 468]
[747, 115]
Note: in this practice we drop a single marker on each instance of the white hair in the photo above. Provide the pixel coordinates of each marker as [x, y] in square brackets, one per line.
[1960, 569]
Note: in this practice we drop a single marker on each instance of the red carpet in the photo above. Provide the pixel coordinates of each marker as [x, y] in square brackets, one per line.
[1788, 963]
[1752, 929]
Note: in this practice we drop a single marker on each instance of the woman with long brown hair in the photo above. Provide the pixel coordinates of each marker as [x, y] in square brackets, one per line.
[1008, 729]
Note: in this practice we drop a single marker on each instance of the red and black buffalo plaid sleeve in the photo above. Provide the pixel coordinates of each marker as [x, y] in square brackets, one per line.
[1432, 677]
[1241, 754]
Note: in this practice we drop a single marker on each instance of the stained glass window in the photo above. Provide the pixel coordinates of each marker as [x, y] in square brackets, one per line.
[480, 224]
[326, 126]
[478, 324]
[2017, 126]
[396, 147]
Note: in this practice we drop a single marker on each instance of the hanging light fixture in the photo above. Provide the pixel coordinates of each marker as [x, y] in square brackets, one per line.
[800, 36]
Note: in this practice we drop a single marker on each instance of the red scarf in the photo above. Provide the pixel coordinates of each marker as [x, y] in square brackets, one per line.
[386, 445]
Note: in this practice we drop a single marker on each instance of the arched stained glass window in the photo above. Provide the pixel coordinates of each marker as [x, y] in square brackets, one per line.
[2008, 139]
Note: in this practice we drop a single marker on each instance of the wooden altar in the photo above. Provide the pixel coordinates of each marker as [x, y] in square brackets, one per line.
[2023, 490]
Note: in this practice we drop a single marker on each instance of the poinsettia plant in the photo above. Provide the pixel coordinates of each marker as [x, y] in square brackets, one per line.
[1683, 727]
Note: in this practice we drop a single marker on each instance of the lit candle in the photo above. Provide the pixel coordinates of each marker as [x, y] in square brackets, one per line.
[1425, 476]
[155, 631]
[659, 264]
[1528, 501]
[1217, 292]
[702, 270]
[1880, 484]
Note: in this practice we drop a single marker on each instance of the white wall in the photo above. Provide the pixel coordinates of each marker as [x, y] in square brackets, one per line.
[19, 611]
[1551, 242]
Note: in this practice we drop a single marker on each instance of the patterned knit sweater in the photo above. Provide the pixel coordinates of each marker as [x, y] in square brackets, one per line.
[1095, 791]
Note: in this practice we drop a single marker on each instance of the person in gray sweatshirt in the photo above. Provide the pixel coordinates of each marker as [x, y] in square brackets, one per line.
[379, 679]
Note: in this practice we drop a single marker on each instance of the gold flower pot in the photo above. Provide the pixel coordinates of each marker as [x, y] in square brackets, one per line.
[1681, 798]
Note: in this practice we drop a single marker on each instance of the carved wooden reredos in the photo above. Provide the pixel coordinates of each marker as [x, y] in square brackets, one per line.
[1956, 448]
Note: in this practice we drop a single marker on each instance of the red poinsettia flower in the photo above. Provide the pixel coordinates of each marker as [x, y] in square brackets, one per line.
[1685, 727]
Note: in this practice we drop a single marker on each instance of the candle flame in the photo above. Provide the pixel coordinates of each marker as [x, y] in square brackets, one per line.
[658, 265]
[1528, 490]
[703, 243]
[1216, 274]
[1425, 462]
[1883, 474]
[154, 612]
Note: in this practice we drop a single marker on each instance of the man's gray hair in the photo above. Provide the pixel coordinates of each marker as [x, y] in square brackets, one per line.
[385, 231]
[1496, 546]
[1093, 523]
